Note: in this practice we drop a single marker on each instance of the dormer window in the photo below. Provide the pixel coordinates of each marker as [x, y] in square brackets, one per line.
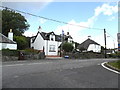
[52, 37]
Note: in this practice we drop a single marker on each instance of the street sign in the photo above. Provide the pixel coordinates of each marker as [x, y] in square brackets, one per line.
[118, 47]
[118, 36]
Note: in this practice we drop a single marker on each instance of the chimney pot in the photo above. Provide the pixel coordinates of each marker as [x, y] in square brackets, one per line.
[10, 35]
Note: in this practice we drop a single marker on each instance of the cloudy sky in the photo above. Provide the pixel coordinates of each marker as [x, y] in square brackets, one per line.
[89, 14]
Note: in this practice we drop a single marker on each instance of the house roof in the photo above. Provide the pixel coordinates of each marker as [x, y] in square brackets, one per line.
[46, 36]
[4, 39]
[86, 44]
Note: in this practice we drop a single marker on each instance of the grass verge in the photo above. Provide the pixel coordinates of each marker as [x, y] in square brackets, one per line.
[115, 64]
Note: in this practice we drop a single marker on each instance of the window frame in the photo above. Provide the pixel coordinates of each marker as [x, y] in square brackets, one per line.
[52, 48]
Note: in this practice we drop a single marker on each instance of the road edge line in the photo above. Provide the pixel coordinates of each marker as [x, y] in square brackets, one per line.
[102, 64]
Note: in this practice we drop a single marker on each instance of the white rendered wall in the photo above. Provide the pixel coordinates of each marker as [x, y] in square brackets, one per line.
[47, 47]
[94, 48]
[69, 40]
[39, 43]
[6, 45]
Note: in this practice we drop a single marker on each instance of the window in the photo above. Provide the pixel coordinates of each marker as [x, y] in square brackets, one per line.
[52, 48]
[52, 38]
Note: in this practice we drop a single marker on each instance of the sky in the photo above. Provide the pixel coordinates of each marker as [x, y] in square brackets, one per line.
[98, 15]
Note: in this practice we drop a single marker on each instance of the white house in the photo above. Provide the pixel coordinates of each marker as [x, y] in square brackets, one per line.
[90, 45]
[7, 42]
[47, 42]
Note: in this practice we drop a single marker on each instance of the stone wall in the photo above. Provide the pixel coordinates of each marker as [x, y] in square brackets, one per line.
[84, 55]
[34, 56]
[39, 56]
[9, 58]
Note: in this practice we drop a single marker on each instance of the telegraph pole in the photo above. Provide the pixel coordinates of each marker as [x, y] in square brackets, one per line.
[105, 42]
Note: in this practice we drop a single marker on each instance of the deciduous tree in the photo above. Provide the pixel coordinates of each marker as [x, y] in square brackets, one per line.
[67, 47]
[15, 21]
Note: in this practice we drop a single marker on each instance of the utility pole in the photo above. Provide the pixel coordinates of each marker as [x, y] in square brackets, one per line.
[105, 42]
[62, 41]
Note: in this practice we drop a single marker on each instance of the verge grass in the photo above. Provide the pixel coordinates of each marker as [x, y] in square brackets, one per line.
[115, 64]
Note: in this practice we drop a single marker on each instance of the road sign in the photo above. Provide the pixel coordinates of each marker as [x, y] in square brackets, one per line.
[118, 47]
[118, 35]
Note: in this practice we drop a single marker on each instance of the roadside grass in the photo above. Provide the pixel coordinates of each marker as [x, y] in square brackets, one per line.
[115, 64]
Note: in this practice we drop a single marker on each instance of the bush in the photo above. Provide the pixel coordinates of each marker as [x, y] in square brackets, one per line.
[115, 55]
[8, 52]
[29, 50]
[67, 47]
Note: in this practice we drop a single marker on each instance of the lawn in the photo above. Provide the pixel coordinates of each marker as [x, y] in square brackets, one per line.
[115, 64]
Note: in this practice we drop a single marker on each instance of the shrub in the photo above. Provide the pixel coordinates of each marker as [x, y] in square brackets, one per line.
[29, 50]
[67, 47]
[8, 52]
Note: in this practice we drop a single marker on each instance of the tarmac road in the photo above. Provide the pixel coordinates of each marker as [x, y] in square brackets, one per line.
[64, 73]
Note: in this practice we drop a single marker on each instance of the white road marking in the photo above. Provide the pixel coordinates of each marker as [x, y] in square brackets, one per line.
[109, 68]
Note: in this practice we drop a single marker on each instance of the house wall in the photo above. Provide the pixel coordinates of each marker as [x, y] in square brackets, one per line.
[46, 47]
[7, 45]
[94, 48]
[48, 44]
[70, 40]
[38, 43]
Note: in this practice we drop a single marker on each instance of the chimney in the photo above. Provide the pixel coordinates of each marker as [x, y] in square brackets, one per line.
[67, 33]
[10, 35]
[89, 37]
[39, 29]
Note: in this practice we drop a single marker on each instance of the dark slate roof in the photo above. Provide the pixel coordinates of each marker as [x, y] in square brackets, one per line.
[58, 38]
[86, 44]
[46, 36]
[4, 39]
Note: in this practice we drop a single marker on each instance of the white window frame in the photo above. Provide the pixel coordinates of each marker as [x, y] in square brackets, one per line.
[52, 48]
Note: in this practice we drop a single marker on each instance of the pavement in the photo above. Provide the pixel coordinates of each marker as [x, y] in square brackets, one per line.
[63, 73]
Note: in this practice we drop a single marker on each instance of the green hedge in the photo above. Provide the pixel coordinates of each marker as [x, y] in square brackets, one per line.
[29, 51]
[8, 52]
[115, 55]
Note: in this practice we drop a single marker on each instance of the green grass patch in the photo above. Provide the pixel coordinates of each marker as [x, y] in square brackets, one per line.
[115, 64]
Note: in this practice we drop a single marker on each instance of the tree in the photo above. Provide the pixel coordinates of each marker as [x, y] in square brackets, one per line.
[22, 42]
[15, 21]
[67, 47]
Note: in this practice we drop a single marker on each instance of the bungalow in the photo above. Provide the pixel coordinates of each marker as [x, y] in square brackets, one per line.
[89, 45]
[7, 42]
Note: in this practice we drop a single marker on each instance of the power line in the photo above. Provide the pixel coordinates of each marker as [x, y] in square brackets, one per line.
[50, 19]
[111, 35]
